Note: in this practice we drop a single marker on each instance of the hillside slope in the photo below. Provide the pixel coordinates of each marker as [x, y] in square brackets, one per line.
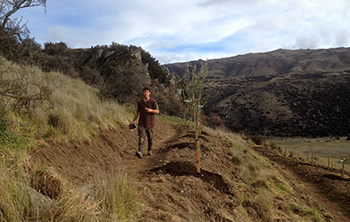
[69, 156]
[278, 62]
[281, 93]
[235, 183]
[291, 105]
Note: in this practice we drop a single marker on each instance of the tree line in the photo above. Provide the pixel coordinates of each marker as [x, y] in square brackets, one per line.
[110, 68]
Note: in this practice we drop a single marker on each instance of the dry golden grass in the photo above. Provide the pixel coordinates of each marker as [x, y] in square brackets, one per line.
[15, 202]
[271, 192]
[72, 206]
[117, 200]
[70, 110]
[48, 182]
[59, 105]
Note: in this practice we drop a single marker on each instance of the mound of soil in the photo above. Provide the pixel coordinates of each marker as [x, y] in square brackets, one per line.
[89, 161]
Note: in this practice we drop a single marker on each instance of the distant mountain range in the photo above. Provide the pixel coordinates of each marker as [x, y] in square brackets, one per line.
[280, 93]
[278, 62]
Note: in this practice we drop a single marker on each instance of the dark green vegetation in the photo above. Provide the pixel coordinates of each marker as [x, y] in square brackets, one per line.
[118, 71]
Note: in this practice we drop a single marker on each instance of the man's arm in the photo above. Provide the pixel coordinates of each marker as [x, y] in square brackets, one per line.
[155, 111]
[135, 117]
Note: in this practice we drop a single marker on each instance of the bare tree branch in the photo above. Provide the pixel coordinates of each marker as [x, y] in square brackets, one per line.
[13, 31]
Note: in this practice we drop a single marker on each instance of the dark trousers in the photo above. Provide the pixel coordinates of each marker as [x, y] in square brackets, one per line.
[143, 132]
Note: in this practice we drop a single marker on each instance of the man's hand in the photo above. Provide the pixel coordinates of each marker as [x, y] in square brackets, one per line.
[149, 110]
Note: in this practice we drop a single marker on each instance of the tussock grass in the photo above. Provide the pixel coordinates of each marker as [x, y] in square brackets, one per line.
[72, 206]
[306, 212]
[78, 110]
[53, 105]
[114, 200]
[37, 106]
[117, 201]
[81, 105]
[48, 182]
[15, 202]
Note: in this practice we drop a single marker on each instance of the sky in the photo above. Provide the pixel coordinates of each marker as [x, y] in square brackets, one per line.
[184, 30]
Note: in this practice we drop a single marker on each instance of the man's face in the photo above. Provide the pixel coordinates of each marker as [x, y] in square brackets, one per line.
[146, 94]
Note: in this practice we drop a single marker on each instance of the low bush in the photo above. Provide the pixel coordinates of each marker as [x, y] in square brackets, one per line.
[258, 140]
[236, 160]
[22, 89]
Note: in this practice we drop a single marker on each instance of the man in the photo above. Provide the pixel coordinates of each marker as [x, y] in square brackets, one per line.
[146, 108]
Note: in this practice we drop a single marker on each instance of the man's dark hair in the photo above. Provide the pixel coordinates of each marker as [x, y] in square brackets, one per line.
[146, 88]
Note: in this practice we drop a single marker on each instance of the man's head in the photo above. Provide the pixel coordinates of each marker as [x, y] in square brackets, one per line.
[146, 88]
[146, 92]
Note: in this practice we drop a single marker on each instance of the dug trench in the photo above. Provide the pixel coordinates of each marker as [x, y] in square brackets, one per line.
[167, 184]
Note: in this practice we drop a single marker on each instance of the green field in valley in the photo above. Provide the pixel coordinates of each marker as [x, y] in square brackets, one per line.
[323, 148]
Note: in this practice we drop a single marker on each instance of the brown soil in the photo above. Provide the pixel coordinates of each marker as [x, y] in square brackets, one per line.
[168, 185]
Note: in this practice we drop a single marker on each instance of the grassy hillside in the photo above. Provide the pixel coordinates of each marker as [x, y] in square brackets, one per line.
[309, 105]
[67, 155]
[39, 107]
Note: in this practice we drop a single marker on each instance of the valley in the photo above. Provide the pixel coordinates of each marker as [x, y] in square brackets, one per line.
[280, 93]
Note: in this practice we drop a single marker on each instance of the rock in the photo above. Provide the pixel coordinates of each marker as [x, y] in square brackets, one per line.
[40, 202]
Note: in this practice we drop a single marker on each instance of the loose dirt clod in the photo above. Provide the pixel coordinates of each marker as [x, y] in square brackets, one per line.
[48, 183]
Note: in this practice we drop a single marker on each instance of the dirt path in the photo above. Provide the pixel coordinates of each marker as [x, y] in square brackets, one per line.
[135, 167]
[322, 187]
[112, 152]
[170, 189]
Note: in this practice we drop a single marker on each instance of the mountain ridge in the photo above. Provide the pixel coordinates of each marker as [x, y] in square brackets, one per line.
[280, 61]
[280, 93]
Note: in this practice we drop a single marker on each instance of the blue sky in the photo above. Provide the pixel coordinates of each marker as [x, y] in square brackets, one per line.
[184, 30]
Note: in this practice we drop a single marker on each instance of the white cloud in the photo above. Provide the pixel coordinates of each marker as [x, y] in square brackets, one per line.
[342, 37]
[58, 33]
[192, 29]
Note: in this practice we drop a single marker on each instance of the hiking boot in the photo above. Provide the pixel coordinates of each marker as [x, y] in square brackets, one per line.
[139, 154]
[150, 153]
